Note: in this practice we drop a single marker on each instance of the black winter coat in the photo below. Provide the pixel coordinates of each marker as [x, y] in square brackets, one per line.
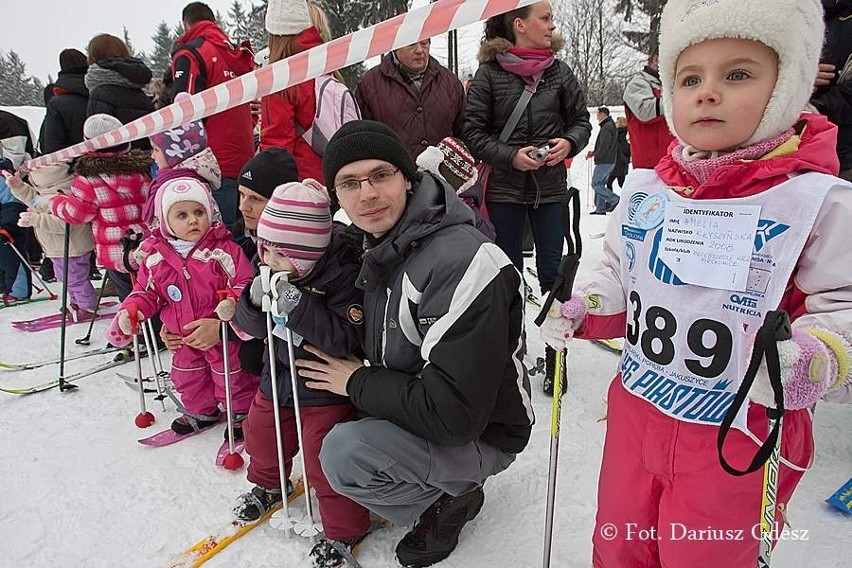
[606, 144]
[66, 111]
[556, 110]
[121, 101]
[835, 100]
[622, 156]
[329, 316]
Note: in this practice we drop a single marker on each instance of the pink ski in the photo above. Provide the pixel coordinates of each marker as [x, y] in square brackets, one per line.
[169, 437]
[224, 450]
[53, 321]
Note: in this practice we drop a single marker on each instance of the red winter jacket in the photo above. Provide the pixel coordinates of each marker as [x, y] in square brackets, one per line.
[646, 125]
[204, 57]
[279, 116]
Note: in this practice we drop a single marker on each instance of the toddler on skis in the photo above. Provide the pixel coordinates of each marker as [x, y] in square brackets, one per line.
[187, 260]
[296, 234]
[108, 191]
[44, 183]
[747, 162]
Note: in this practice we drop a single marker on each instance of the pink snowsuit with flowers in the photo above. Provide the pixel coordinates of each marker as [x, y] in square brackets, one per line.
[186, 290]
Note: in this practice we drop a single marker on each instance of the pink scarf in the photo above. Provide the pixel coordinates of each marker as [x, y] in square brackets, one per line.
[702, 165]
[528, 64]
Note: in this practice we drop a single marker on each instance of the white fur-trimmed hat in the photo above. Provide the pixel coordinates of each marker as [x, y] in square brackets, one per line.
[176, 190]
[287, 17]
[794, 29]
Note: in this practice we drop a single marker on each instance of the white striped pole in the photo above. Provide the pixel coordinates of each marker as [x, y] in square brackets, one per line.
[399, 31]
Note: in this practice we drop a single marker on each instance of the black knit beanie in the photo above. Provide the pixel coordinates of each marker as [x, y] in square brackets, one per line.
[267, 170]
[365, 140]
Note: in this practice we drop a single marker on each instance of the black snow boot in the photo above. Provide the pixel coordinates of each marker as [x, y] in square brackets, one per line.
[253, 505]
[436, 534]
[329, 553]
[191, 423]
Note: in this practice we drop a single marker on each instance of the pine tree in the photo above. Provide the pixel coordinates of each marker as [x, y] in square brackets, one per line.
[126, 36]
[647, 41]
[160, 57]
[16, 87]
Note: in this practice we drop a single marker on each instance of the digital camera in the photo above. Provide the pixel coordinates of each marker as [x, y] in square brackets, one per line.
[539, 154]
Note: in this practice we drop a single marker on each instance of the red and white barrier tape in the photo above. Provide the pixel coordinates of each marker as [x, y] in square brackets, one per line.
[399, 31]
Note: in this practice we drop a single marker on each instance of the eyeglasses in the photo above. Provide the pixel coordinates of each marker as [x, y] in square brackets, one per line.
[378, 180]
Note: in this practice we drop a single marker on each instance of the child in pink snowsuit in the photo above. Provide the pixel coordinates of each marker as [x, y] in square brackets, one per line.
[187, 261]
[748, 168]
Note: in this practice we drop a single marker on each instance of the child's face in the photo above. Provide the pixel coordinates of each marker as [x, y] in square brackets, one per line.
[188, 220]
[277, 261]
[159, 158]
[721, 88]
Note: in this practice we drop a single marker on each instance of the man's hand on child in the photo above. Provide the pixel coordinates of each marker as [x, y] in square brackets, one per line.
[330, 373]
[205, 333]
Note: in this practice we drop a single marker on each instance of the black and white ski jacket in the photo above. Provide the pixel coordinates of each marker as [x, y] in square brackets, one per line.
[444, 317]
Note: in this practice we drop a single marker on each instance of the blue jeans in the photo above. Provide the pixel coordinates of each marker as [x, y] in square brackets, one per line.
[546, 223]
[227, 199]
[603, 195]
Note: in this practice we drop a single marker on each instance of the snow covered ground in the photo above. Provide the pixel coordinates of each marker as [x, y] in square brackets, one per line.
[78, 490]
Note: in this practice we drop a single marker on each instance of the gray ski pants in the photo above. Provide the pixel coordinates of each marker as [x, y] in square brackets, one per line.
[397, 474]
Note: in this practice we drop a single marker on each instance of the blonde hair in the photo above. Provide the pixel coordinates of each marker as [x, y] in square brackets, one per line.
[320, 21]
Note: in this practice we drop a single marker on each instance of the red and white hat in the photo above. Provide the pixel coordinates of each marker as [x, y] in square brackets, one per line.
[297, 223]
[453, 156]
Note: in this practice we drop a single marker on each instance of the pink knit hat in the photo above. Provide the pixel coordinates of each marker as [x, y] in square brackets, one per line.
[297, 223]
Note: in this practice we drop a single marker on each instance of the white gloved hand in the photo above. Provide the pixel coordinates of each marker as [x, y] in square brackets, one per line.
[27, 218]
[563, 320]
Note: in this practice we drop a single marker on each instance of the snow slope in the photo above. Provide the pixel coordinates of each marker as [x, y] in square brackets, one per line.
[78, 490]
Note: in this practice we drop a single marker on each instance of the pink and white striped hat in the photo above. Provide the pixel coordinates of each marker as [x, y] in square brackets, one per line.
[297, 223]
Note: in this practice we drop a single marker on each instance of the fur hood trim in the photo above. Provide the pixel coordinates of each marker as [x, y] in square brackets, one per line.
[490, 48]
[132, 162]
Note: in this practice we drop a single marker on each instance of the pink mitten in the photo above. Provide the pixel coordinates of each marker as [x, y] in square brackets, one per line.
[225, 309]
[115, 333]
[808, 367]
[563, 319]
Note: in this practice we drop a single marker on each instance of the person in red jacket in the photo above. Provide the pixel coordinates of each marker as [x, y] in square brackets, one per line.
[646, 124]
[202, 58]
[295, 26]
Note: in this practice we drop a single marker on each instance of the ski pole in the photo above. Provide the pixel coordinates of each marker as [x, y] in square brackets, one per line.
[281, 518]
[561, 292]
[775, 328]
[85, 339]
[144, 418]
[63, 385]
[311, 529]
[11, 242]
[233, 461]
[150, 343]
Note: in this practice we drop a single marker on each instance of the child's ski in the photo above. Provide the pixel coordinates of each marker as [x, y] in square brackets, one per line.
[217, 541]
[22, 302]
[225, 449]
[616, 345]
[72, 357]
[168, 437]
[68, 379]
[54, 321]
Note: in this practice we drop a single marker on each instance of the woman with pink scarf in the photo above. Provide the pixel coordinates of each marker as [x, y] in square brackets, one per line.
[528, 176]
